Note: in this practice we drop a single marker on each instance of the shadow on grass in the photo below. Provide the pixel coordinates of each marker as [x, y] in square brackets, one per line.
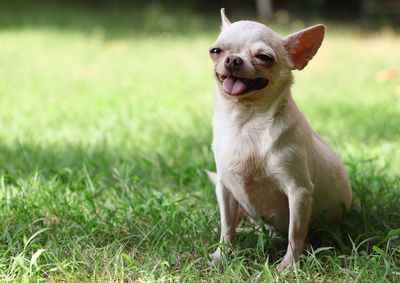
[374, 212]
[110, 192]
[158, 202]
[176, 158]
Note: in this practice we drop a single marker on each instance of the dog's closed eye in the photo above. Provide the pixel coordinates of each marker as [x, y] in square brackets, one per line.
[265, 58]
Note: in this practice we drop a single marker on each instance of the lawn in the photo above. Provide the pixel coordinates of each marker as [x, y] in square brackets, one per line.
[106, 129]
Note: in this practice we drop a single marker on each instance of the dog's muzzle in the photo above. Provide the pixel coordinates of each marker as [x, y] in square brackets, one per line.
[237, 86]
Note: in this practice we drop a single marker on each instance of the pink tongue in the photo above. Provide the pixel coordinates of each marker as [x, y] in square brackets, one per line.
[233, 86]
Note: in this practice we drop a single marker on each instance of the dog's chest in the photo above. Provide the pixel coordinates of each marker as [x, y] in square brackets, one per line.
[244, 149]
[245, 161]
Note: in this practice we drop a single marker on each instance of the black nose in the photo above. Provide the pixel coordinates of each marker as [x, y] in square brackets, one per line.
[233, 62]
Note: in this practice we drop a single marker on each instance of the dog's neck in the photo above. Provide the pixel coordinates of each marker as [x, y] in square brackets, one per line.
[269, 105]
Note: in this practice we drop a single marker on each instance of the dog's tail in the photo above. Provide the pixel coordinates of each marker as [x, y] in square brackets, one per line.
[212, 175]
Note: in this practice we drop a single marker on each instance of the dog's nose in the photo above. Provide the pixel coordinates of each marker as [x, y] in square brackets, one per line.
[233, 62]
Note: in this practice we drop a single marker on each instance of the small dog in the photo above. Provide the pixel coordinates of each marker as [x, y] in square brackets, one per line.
[269, 160]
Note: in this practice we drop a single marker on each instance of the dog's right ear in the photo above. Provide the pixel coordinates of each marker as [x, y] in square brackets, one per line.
[224, 19]
[302, 46]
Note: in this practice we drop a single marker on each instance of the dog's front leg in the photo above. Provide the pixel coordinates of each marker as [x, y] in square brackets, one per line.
[228, 207]
[300, 204]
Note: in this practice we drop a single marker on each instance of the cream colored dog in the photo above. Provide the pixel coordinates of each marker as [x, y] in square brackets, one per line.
[269, 160]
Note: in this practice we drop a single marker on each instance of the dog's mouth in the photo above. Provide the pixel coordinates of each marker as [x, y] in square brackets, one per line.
[238, 86]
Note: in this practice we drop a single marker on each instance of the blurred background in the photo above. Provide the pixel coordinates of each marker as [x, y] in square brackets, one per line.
[135, 74]
[181, 16]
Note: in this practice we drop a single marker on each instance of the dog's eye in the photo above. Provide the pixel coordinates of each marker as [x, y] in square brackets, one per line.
[215, 50]
[265, 58]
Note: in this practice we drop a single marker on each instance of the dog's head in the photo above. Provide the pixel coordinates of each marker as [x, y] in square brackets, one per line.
[250, 58]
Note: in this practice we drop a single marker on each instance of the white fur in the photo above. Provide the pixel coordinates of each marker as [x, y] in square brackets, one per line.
[269, 160]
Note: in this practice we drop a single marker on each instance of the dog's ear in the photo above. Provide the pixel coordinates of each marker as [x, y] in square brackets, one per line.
[224, 19]
[303, 45]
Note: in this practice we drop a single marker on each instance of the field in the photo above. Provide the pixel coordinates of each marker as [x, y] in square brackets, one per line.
[106, 129]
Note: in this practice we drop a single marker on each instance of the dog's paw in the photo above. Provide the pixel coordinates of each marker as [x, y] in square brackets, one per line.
[216, 256]
[285, 265]
[219, 254]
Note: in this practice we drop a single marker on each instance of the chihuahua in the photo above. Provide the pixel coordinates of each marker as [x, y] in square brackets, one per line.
[270, 162]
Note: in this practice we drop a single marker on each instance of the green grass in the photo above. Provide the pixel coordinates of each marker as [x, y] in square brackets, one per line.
[105, 131]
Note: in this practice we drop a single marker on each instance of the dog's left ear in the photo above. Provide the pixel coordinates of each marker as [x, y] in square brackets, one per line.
[224, 19]
[303, 45]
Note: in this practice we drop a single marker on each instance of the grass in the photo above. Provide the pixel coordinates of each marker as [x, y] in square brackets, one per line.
[105, 131]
